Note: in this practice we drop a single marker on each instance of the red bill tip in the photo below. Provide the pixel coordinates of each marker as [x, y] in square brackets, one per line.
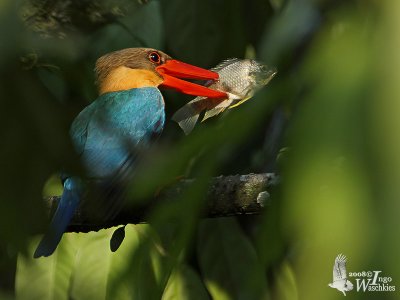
[180, 69]
[191, 88]
[175, 68]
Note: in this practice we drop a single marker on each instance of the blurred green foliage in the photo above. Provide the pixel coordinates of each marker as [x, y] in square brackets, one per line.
[333, 108]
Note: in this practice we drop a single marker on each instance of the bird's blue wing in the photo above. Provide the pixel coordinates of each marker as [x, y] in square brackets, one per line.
[111, 133]
[104, 134]
[115, 127]
[69, 201]
[78, 131]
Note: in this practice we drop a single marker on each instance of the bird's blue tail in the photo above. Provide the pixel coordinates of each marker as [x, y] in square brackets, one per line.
[66, 207]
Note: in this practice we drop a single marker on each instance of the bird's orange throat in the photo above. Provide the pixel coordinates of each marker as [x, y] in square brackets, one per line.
[123, 78]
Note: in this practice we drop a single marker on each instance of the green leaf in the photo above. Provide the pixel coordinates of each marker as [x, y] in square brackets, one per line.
[46, 277]
[146, 25]
[183, 284]
[229, 262]
[6, 296]
[286, 287]
[204, 32]
[141, 27]
[257, 13]
[80, 268]
[287, 31]
[96, 266]
[92, 265]
[135, 272]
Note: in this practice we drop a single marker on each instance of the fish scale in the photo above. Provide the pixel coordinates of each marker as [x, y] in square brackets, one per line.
[238, 78]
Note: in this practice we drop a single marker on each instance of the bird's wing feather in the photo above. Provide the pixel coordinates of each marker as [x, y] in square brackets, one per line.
[339, 268]
[67, 205]
[111, 133]
[79, 127]
[106, 132]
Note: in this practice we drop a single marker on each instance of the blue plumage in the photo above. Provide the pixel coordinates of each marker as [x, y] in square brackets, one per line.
[68, 203]
[106, 134]
[111, 132]
[106, 131]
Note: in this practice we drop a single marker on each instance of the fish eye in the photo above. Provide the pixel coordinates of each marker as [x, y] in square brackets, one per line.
[155, 57]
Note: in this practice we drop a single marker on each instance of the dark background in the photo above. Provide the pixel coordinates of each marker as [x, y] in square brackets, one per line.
[327, 123]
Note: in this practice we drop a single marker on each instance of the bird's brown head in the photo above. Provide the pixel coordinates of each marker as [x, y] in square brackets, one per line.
[145, 67]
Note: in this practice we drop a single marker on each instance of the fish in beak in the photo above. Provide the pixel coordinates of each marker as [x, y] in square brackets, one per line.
[173, 69]
[239, 78]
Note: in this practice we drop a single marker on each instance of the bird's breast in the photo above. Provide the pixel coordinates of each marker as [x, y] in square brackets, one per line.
[115, 125]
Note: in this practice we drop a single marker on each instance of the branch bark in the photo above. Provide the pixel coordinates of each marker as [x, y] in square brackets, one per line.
[226, 196]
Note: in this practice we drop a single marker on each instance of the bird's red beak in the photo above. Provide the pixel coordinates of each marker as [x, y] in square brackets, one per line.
[172, 69]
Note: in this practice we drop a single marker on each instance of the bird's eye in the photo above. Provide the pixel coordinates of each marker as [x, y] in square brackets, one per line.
[155, 57]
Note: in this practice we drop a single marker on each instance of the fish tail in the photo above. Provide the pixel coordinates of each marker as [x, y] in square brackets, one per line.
[187, 116]
[66, 207]
[188, 124]
[213, 112]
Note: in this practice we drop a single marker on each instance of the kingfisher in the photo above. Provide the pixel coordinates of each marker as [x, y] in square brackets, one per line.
[128, 115]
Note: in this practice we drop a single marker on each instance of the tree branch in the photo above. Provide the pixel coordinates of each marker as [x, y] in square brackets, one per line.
[227, 196]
